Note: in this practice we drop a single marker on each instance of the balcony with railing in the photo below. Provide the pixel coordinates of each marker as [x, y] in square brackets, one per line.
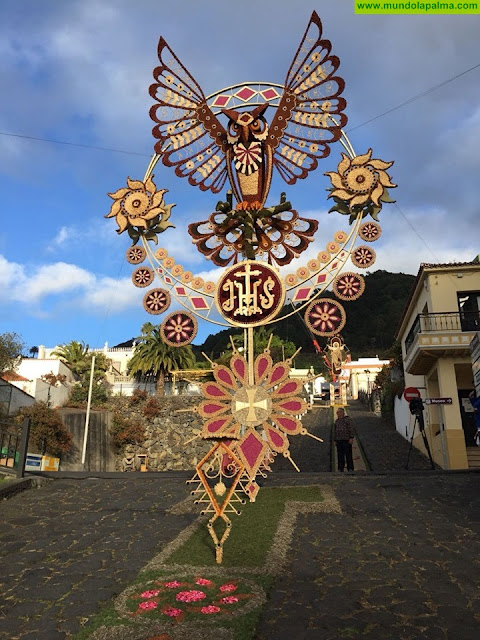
[436, 335]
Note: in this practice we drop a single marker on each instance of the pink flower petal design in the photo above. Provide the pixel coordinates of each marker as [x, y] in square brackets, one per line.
[210, 609]
[148, 605]
[190, 596]
[150, 594]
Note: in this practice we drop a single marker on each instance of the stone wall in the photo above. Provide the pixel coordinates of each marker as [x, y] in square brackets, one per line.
[166, 434]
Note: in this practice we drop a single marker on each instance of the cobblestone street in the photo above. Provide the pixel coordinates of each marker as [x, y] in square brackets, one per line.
[401, 561]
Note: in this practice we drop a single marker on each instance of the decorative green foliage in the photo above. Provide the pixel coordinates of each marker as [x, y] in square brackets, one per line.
[367, 209]
[126, 431]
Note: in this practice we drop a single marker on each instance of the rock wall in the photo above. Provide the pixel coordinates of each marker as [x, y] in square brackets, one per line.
[167, 433]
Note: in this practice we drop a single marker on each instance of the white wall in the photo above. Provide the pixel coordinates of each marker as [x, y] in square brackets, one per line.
[403, 418]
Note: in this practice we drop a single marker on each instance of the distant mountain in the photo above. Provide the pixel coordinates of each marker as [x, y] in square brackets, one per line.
[372, 320]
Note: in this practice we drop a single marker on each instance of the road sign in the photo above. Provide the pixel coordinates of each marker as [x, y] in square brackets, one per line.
[438, 401]
[410, 393]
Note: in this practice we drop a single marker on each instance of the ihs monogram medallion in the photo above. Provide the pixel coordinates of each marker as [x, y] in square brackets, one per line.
[249, 294]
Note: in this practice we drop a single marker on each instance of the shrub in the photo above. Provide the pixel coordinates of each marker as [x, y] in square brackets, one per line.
[125, 431]
[152, 408]
[138, 396]
[48, 434]
[79, 395]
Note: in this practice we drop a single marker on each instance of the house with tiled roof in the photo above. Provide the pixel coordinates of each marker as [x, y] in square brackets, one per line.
[440, 320]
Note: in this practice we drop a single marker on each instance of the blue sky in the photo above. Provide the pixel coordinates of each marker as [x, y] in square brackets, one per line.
[79, 72]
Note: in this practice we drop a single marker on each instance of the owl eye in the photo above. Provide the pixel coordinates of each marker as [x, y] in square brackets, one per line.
[258, 126]
[233, 129]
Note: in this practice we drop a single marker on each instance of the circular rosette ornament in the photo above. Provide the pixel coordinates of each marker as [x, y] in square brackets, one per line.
[156, 301]
[363, 257]
[348, 286]
[140, 210]
[179, 329]
[136, 255]
[360, 185]
[370, 231]
[142, 277]
[325, 317]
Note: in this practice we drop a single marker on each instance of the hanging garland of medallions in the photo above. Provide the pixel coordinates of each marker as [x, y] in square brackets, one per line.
[244, 134]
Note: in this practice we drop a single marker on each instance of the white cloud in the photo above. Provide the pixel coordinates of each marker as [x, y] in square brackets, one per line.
[40, 289]
[63, 235]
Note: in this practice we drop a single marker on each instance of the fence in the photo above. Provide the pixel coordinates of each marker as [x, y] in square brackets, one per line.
[13, 447]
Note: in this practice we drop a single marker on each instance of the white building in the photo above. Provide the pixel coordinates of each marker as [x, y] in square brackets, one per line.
[360, 374]
[32, 370]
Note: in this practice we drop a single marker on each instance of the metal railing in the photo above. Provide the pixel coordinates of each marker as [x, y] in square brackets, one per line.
[13, 447]
[448, 321]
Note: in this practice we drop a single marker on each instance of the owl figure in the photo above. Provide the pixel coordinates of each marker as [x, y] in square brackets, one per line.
[246, 149]
[248, 158]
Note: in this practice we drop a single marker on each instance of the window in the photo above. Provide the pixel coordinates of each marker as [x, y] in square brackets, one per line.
[469, 307]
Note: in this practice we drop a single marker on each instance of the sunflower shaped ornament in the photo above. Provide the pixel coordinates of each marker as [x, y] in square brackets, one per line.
[360, 186]
[140, 210]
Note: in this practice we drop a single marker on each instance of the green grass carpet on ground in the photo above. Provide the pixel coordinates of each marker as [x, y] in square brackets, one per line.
[252, 532]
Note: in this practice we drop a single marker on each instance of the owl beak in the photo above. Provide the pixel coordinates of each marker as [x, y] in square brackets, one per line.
[244, 134]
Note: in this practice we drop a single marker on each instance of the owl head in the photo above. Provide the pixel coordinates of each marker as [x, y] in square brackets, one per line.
[246, 126]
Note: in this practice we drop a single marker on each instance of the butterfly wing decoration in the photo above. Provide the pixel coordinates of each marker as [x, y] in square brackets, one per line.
[190, 137]
[310, 114]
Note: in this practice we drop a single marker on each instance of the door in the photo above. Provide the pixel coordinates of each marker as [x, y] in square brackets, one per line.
[468, 420]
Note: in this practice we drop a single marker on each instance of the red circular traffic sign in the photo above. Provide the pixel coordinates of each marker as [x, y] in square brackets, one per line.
[410, 393]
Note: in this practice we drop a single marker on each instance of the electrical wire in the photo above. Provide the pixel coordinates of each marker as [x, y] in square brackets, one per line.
[144, 155]
[414, 98]
[74, 144]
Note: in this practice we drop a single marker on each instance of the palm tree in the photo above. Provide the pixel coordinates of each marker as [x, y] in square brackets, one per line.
[153, 356]
[74, 355]
[33, 351]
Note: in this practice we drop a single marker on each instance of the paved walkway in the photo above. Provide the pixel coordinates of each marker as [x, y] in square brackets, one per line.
[383, 449]
[69, 547]
[401, 562]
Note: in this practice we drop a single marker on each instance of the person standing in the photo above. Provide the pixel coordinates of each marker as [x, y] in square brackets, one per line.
[344, 433]
[475, 402]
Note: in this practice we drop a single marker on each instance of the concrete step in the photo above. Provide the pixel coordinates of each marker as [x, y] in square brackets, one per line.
[473, 457]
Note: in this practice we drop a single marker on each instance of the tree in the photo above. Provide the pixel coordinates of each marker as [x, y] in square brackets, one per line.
[48, 434]
[77, 357]
[33, 351]
[74, 355]
[153, 357]
[279, 349]
[11, 347]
